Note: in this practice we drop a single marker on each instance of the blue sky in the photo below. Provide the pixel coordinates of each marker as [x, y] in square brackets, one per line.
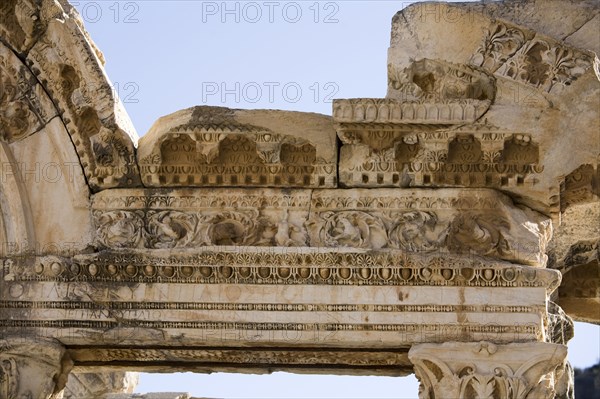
[163, 56]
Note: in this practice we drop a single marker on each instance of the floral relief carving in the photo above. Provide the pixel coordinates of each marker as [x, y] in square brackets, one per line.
[232, 228]
[529, 58]
[500, 43]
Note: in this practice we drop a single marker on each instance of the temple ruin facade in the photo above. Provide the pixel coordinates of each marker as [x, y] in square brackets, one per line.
[450, 229]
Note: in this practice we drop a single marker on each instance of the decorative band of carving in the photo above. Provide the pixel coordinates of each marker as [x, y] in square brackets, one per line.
[479, 222]
[294, 267]
[380, 110]
[529, 330]
[340, 358]
[267, 307]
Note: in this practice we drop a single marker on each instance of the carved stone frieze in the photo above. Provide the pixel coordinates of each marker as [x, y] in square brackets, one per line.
[215, 146]
[444, 83]
[476, 222]
[397, 112]
[187, 218]
[219, 265]
[24, 106]
[486, 370]
[389, 362]
[471, 156]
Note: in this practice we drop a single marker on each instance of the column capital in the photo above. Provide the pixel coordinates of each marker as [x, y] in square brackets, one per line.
[486, 370]
[32, 367]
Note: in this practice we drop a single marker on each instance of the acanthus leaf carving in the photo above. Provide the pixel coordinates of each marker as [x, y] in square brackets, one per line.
[487, 371]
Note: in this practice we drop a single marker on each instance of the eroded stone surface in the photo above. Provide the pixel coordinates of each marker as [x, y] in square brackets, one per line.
[216, 146]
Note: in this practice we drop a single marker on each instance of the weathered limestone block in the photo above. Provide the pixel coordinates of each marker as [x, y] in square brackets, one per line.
[54, 192]
[493, 110]
[50, 37]
[17, 226]
[32, 367]
[216, 146]
[469, 222]
[574, 250]
[579, 293]
[485, 370]
[100, 385]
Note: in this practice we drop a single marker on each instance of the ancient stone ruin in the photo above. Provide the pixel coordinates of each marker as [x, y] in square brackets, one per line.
[449, 230]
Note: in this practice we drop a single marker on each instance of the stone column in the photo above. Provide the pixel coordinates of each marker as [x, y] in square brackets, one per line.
[99, 385]
[32, 368]
[487, 371]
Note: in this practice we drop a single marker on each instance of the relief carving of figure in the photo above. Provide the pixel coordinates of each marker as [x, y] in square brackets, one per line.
[231, 228]
[169, 229]
[348, 229]
[414, 231]
[289, 234]
[480, 233]
[120, 229]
